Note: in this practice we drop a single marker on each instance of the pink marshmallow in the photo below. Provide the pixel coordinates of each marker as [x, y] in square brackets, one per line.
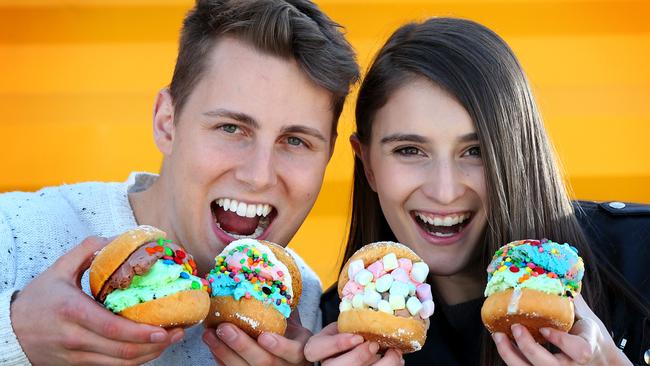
[352, 288]
[405, 263]
[424, 292]
[377, 269]
[399, 274]
[427, 309]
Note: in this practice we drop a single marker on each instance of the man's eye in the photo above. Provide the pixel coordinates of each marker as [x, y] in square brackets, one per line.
[409, 150]
[230, 128]
[295, 141]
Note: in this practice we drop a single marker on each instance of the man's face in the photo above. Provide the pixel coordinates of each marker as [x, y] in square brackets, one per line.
[247, 153]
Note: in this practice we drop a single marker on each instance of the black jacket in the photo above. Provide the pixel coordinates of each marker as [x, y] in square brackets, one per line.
[619, 235]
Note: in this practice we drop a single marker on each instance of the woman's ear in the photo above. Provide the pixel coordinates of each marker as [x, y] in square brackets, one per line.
[361, 151]
[163, 122]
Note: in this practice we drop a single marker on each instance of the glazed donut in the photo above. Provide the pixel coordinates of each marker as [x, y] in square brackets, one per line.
[532, 283]
[385, 297]
[144, 277]
[255, 285]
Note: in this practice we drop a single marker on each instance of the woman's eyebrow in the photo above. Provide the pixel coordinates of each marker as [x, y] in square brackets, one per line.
[472, 136]
[404, 137]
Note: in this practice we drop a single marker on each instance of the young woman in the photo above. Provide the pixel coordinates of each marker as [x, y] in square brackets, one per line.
[452, 159]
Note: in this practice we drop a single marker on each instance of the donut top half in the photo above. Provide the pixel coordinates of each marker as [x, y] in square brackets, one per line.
[542, 265]
[390, 284]
[248, 269]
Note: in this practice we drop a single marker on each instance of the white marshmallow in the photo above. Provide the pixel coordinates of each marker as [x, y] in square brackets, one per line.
[427, 309]
[412, 288]
[345, 305]
[413, 305]
[354, 267]
[384, 306]
[363, 277]
[419, 272]
[396, 302]
[357, 301]
[370, 287]
[399, 288]
[390, 262]
[371, 298]
[383, 283]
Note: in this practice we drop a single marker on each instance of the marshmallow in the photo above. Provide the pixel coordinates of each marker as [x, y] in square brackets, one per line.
[354, 268]
[424, 292]
[357, 301]
[419, 272]
[399, 288]
[412, 288]
[399, 274]
[352, 288]
[363, 277]
[413, 305]
[405, 264]
[377, 269]
[390, 262]
[345, 305]
[384, 306]
[427, 309]
[371, 298]
[370, 287]
[383, 283]
[396, 302]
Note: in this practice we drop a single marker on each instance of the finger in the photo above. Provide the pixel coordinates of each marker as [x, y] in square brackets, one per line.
[291, 350]
[508, 352]
[583, 311]
[98, 320]
[328, 343]
[533, 351]
[90, 358]
[220, 351]
[295, 330]
[76, 261]
[246, 347]
[363, 354]
[392, 357]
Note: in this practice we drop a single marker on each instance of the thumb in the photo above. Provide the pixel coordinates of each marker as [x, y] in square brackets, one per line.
[75, 262]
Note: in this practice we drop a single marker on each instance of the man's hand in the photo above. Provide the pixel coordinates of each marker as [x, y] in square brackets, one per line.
[231, 346]
[57, 323]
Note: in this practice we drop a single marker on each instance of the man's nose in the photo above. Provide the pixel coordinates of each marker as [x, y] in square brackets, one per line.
[257, 170]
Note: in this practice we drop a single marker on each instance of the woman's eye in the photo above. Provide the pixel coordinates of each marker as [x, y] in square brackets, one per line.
[230, 128]
[409, 150]
[473, 151]
[294, 141]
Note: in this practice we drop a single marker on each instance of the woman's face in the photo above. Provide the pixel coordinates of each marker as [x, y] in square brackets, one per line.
[424, 162]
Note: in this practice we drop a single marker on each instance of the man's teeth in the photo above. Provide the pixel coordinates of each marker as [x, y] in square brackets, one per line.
[449, 220]
[243, 209]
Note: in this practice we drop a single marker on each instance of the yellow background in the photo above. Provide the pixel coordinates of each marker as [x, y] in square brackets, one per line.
[79, 77]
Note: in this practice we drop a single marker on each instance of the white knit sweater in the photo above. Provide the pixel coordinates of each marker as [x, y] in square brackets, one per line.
[36, 228]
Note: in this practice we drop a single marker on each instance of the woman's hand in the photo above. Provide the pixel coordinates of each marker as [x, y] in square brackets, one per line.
[587, 343]
[334, 348]
[231, 346]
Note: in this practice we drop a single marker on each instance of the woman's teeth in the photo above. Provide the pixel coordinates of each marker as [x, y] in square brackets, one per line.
[243, 209]
[449, 220]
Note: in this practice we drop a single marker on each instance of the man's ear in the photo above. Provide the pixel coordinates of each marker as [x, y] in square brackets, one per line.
[163, 122]
[361, 151]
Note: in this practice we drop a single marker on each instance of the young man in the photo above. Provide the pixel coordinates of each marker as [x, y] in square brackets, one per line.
[250, 118]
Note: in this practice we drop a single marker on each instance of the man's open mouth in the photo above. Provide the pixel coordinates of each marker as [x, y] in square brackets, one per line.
[240, 219]
[443, 226]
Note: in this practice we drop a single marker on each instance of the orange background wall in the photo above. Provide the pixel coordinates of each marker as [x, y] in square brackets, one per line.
[78, 80]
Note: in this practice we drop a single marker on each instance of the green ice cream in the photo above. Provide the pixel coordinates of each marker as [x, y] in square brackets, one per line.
[503, 280]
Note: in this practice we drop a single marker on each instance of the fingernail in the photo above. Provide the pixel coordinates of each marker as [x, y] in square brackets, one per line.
[177, 337]
[374, 347]
[516, 330]
[158, 337]
[498, 337]
[267, 340]
[226, 333]
[356, 339]
[545, 332]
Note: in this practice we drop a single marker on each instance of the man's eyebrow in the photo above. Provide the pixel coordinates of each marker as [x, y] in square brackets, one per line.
[237, 116]
[402, 137]
[304, 130]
